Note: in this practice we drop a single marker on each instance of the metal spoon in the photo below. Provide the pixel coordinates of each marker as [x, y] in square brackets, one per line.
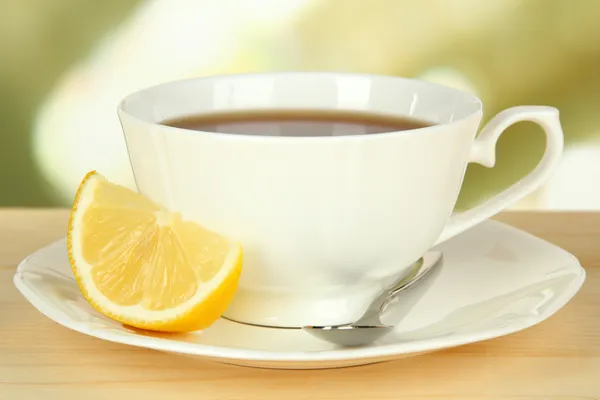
[369, 327]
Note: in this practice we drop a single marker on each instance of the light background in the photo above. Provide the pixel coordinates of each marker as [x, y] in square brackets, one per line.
[67, 63]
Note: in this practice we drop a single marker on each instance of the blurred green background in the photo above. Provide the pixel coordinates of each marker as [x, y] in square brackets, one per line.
[67, 63]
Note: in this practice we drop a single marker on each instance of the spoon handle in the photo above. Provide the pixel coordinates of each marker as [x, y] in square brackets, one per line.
[418, 270]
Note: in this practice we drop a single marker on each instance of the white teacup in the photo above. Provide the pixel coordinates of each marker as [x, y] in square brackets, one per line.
[324, 222]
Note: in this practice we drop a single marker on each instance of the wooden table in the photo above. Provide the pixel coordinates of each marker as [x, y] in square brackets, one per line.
[558, 359]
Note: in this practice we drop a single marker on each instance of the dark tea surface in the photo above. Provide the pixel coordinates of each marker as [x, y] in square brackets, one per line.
[296, 123]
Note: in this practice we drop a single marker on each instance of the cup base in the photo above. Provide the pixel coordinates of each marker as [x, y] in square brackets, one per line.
[322, 306]
[295, 310]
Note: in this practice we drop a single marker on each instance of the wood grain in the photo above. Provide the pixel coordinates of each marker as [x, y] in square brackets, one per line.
[558, 359]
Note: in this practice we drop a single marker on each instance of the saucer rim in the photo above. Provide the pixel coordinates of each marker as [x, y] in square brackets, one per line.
[376, 351]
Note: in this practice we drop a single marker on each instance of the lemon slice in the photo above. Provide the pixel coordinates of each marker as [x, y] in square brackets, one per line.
[145, 266]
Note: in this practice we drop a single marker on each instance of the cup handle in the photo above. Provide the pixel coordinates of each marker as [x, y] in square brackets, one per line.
[483, 151]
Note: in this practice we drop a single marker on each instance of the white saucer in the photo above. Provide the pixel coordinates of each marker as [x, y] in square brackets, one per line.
[496, 280]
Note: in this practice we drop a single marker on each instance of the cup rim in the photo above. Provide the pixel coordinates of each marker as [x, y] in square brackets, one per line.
[470, 97]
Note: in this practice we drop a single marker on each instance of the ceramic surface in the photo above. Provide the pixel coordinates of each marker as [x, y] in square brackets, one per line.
[496, 280]
[326, 222]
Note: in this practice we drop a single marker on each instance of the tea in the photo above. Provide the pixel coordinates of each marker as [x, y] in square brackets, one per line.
[296, 123]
